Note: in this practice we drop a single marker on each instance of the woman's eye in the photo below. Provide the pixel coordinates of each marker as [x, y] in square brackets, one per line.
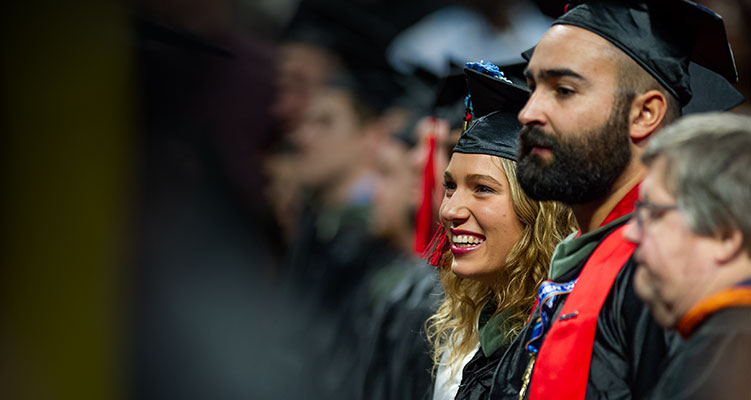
[484, 189]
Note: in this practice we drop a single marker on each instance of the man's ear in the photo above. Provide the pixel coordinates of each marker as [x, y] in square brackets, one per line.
[730, 243]
[647, 112]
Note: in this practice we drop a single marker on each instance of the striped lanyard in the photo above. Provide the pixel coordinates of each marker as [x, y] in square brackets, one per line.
[546, 295]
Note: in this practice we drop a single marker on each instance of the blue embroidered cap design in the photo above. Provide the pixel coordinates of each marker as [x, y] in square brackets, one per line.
[487, 68]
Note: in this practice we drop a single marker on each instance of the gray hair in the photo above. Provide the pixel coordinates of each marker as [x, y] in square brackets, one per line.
[708, 171]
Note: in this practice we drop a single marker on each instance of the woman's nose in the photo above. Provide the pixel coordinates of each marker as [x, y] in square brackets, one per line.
[453, 209]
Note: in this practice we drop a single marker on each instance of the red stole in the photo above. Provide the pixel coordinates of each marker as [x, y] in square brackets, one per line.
[562, 367]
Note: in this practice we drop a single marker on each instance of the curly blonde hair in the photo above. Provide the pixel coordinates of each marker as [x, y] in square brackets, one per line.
[453, 328]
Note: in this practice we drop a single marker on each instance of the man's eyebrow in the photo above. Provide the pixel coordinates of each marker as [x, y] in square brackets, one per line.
[554, 73]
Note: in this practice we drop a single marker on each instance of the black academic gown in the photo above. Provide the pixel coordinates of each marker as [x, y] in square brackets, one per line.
[334, 274]
[714, 363]
[478, 375]
[397, 352]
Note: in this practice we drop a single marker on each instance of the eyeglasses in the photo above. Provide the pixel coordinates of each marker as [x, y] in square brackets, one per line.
[645, 211]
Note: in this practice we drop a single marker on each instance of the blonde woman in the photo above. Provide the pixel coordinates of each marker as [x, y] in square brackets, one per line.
[496, 249]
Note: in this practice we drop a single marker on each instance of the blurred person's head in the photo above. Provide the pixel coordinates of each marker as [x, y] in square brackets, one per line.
[335, 141]
[691, 227]
[394, 197]
[303, 69]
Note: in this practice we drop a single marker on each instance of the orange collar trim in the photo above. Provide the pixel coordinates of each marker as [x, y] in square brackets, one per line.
[733, 297]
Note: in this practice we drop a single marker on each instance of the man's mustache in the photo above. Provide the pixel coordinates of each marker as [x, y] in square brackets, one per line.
[531, 137]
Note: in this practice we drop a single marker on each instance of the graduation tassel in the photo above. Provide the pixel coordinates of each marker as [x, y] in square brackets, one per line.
[434, 251]
[424, 217]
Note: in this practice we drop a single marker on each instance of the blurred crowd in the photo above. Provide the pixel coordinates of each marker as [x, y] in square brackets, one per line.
[281, 178]
[290, 184]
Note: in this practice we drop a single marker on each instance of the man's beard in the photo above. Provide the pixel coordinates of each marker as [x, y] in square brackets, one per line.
[584, 166]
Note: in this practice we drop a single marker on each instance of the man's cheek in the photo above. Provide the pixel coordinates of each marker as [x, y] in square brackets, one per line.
[643, 285]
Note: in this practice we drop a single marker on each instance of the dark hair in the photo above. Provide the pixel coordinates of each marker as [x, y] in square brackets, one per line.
[634, 80]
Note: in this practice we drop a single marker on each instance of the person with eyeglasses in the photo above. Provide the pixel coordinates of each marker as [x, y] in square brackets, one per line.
[693, 235]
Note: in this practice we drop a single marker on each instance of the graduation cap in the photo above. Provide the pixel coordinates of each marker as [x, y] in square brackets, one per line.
[663, 36]
[496, 101]
[491, 90]
[711, 92]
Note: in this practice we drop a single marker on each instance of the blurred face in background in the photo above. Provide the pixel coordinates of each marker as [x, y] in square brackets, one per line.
[303, 69]
[394, 199]
[478, 213]
[330, 139]
[673, 262]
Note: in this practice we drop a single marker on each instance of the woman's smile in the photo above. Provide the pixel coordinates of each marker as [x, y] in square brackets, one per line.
[463, 242]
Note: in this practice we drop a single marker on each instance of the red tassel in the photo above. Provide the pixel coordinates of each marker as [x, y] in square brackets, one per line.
[424, 218]
[438, 245]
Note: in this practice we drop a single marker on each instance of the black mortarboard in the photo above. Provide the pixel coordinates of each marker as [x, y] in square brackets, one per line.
[662, 36]
[490, 89]
[711, 92]
[496, 101]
